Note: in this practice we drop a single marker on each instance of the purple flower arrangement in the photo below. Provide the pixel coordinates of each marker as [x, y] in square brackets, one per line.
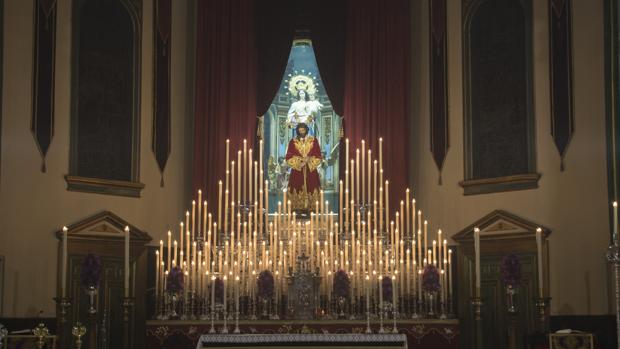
[510, 270]
[430, 279]
[386, 286]
[174, 283]
[265, 284]
[341, 284]
[91, 271]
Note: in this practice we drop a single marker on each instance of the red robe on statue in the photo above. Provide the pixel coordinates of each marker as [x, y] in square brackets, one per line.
[304, 157]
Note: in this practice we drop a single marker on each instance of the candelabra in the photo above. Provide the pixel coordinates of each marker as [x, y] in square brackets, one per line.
[395, 314]
[476, 303]
[237, 330]
[225, 325]
[127, 303]
[542, 305]
[212, 329]
[78, 331]
[3, 333]
[62, 310]
[613, 256]
[41, 332]
[381, 329]
[242, 237]
[412, 306]
[92, 316]
[443, 314]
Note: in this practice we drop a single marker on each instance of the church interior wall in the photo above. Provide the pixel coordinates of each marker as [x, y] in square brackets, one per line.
[34, 205]
[572, 203]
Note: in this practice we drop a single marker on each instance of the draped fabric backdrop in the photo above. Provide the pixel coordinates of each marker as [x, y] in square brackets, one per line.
[225, 87]
[377, 84]
[362, 50]
[241, 54]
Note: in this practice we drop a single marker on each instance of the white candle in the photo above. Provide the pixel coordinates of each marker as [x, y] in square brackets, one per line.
[380, 153]
[358, 197]
[193, 227]
[225, 290]
[367, 294]
[249, 198]
[244, 196]
[346, 153]
[212, 294]
[450, 272]
[126, 261]
[175, 261]
[615, 229]
[477, 253]
[227, 157]
[381, 295]
[219, 203]
[363, 173]
[157, 276]
[169, 248]
[540, 261]
[63, 279]
[406, 230]
[239, 187]
[395, 294]
[237, 294]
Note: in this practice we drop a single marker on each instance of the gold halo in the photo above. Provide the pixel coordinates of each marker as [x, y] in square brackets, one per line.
[304, 82]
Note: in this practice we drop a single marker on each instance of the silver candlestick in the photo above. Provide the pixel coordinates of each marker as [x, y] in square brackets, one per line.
[3, 333]
[613, 256]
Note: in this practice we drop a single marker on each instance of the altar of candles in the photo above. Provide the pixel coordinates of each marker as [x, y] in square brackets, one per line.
[236, 238]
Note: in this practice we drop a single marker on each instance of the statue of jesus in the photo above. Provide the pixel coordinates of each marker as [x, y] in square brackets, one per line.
[304, 157]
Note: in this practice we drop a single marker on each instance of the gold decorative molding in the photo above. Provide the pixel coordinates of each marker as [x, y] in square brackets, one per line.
[104, 186]
[500, 184]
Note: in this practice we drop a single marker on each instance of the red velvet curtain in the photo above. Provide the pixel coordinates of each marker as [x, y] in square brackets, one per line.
[241, 54]
[377, 84]
[225, 87]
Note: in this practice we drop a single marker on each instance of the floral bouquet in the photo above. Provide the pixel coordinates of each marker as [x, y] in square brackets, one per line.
[265, 284]
[430, 279]
[341, 284]
[386, 286]
[174, 283]
[510, 270]
[91, 271]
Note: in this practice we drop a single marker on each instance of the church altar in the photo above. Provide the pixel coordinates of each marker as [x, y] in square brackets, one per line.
[436, 334]
[360, 264]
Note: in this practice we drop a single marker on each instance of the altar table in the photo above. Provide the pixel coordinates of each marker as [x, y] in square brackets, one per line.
[302, 340]
[177, 334]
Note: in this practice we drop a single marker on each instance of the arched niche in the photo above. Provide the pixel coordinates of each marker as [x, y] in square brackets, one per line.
[498, 96]
[105, 88]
